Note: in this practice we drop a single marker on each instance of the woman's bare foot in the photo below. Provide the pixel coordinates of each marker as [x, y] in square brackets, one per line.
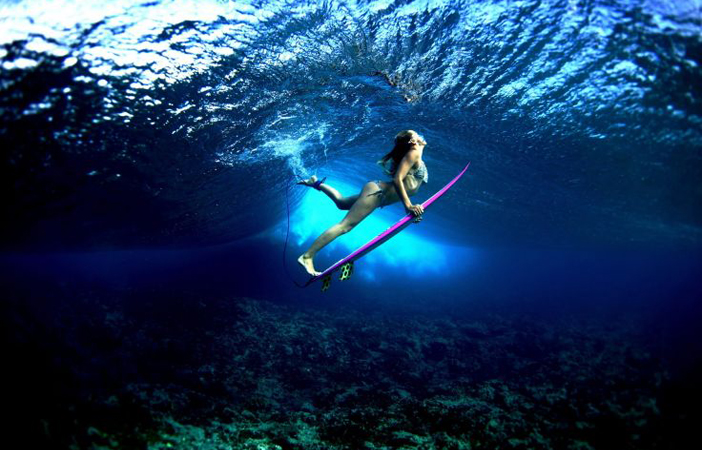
[308, 264]
[308, 182]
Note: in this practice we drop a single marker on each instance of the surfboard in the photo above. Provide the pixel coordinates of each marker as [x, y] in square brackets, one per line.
[345, 265]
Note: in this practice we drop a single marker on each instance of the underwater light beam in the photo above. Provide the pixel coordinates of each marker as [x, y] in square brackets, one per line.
[409, 252]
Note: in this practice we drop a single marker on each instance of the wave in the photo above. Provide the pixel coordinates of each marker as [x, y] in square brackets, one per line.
[181, 123]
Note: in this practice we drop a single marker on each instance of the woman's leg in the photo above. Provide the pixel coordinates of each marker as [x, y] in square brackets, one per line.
[359, 210]
[341, 202]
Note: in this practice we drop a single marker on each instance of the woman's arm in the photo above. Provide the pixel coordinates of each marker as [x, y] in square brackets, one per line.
[403, 168]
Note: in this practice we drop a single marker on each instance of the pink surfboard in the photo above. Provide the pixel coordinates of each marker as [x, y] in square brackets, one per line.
[346, 263]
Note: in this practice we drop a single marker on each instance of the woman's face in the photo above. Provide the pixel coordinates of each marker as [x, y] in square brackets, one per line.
[417, 139]
[411, 137]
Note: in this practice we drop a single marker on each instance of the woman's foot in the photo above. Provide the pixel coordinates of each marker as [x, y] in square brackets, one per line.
[307, 263]
[308, 182]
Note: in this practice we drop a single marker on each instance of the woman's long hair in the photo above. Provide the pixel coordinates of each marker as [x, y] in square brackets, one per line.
[404, 141]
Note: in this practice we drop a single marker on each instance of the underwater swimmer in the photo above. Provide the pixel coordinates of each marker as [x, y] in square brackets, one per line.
[408, 173]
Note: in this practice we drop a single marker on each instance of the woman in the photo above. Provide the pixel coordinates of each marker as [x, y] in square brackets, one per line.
[408, 173]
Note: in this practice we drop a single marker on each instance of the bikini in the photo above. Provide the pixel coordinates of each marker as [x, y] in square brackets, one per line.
[420, 173]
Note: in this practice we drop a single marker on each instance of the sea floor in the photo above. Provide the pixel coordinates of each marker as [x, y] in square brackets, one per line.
[242, 373]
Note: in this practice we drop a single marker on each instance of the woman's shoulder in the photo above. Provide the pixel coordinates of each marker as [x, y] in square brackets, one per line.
[413, 156]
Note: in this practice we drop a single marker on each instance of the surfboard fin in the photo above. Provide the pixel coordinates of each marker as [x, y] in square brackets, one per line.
[326, 282]
[346, 271]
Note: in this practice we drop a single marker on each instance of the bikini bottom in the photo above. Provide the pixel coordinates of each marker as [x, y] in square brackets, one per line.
[380, 193]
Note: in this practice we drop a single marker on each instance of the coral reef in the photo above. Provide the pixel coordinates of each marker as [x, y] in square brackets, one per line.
[240, 373]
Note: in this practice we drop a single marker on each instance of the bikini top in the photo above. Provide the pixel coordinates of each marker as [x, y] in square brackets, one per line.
[420, 173]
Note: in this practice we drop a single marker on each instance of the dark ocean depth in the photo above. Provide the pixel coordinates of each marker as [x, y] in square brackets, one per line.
[550, 300]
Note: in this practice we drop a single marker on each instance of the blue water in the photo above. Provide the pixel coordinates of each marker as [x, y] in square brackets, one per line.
[150, 154]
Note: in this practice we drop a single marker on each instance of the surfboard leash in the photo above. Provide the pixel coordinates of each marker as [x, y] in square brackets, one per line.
[287, 235]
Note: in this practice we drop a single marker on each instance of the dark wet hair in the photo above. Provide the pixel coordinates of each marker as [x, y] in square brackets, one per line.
[404, 141]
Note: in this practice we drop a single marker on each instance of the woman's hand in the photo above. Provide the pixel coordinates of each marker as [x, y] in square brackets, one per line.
[415, 210]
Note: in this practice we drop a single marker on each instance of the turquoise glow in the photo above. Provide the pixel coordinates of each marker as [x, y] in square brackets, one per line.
[411, 251]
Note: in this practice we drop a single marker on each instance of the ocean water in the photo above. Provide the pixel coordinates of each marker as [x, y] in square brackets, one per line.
[551, 299]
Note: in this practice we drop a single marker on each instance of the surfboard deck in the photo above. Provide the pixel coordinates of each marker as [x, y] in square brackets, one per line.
[346, 264]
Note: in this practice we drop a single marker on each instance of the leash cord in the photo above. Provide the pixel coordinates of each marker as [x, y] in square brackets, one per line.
[287, 235]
